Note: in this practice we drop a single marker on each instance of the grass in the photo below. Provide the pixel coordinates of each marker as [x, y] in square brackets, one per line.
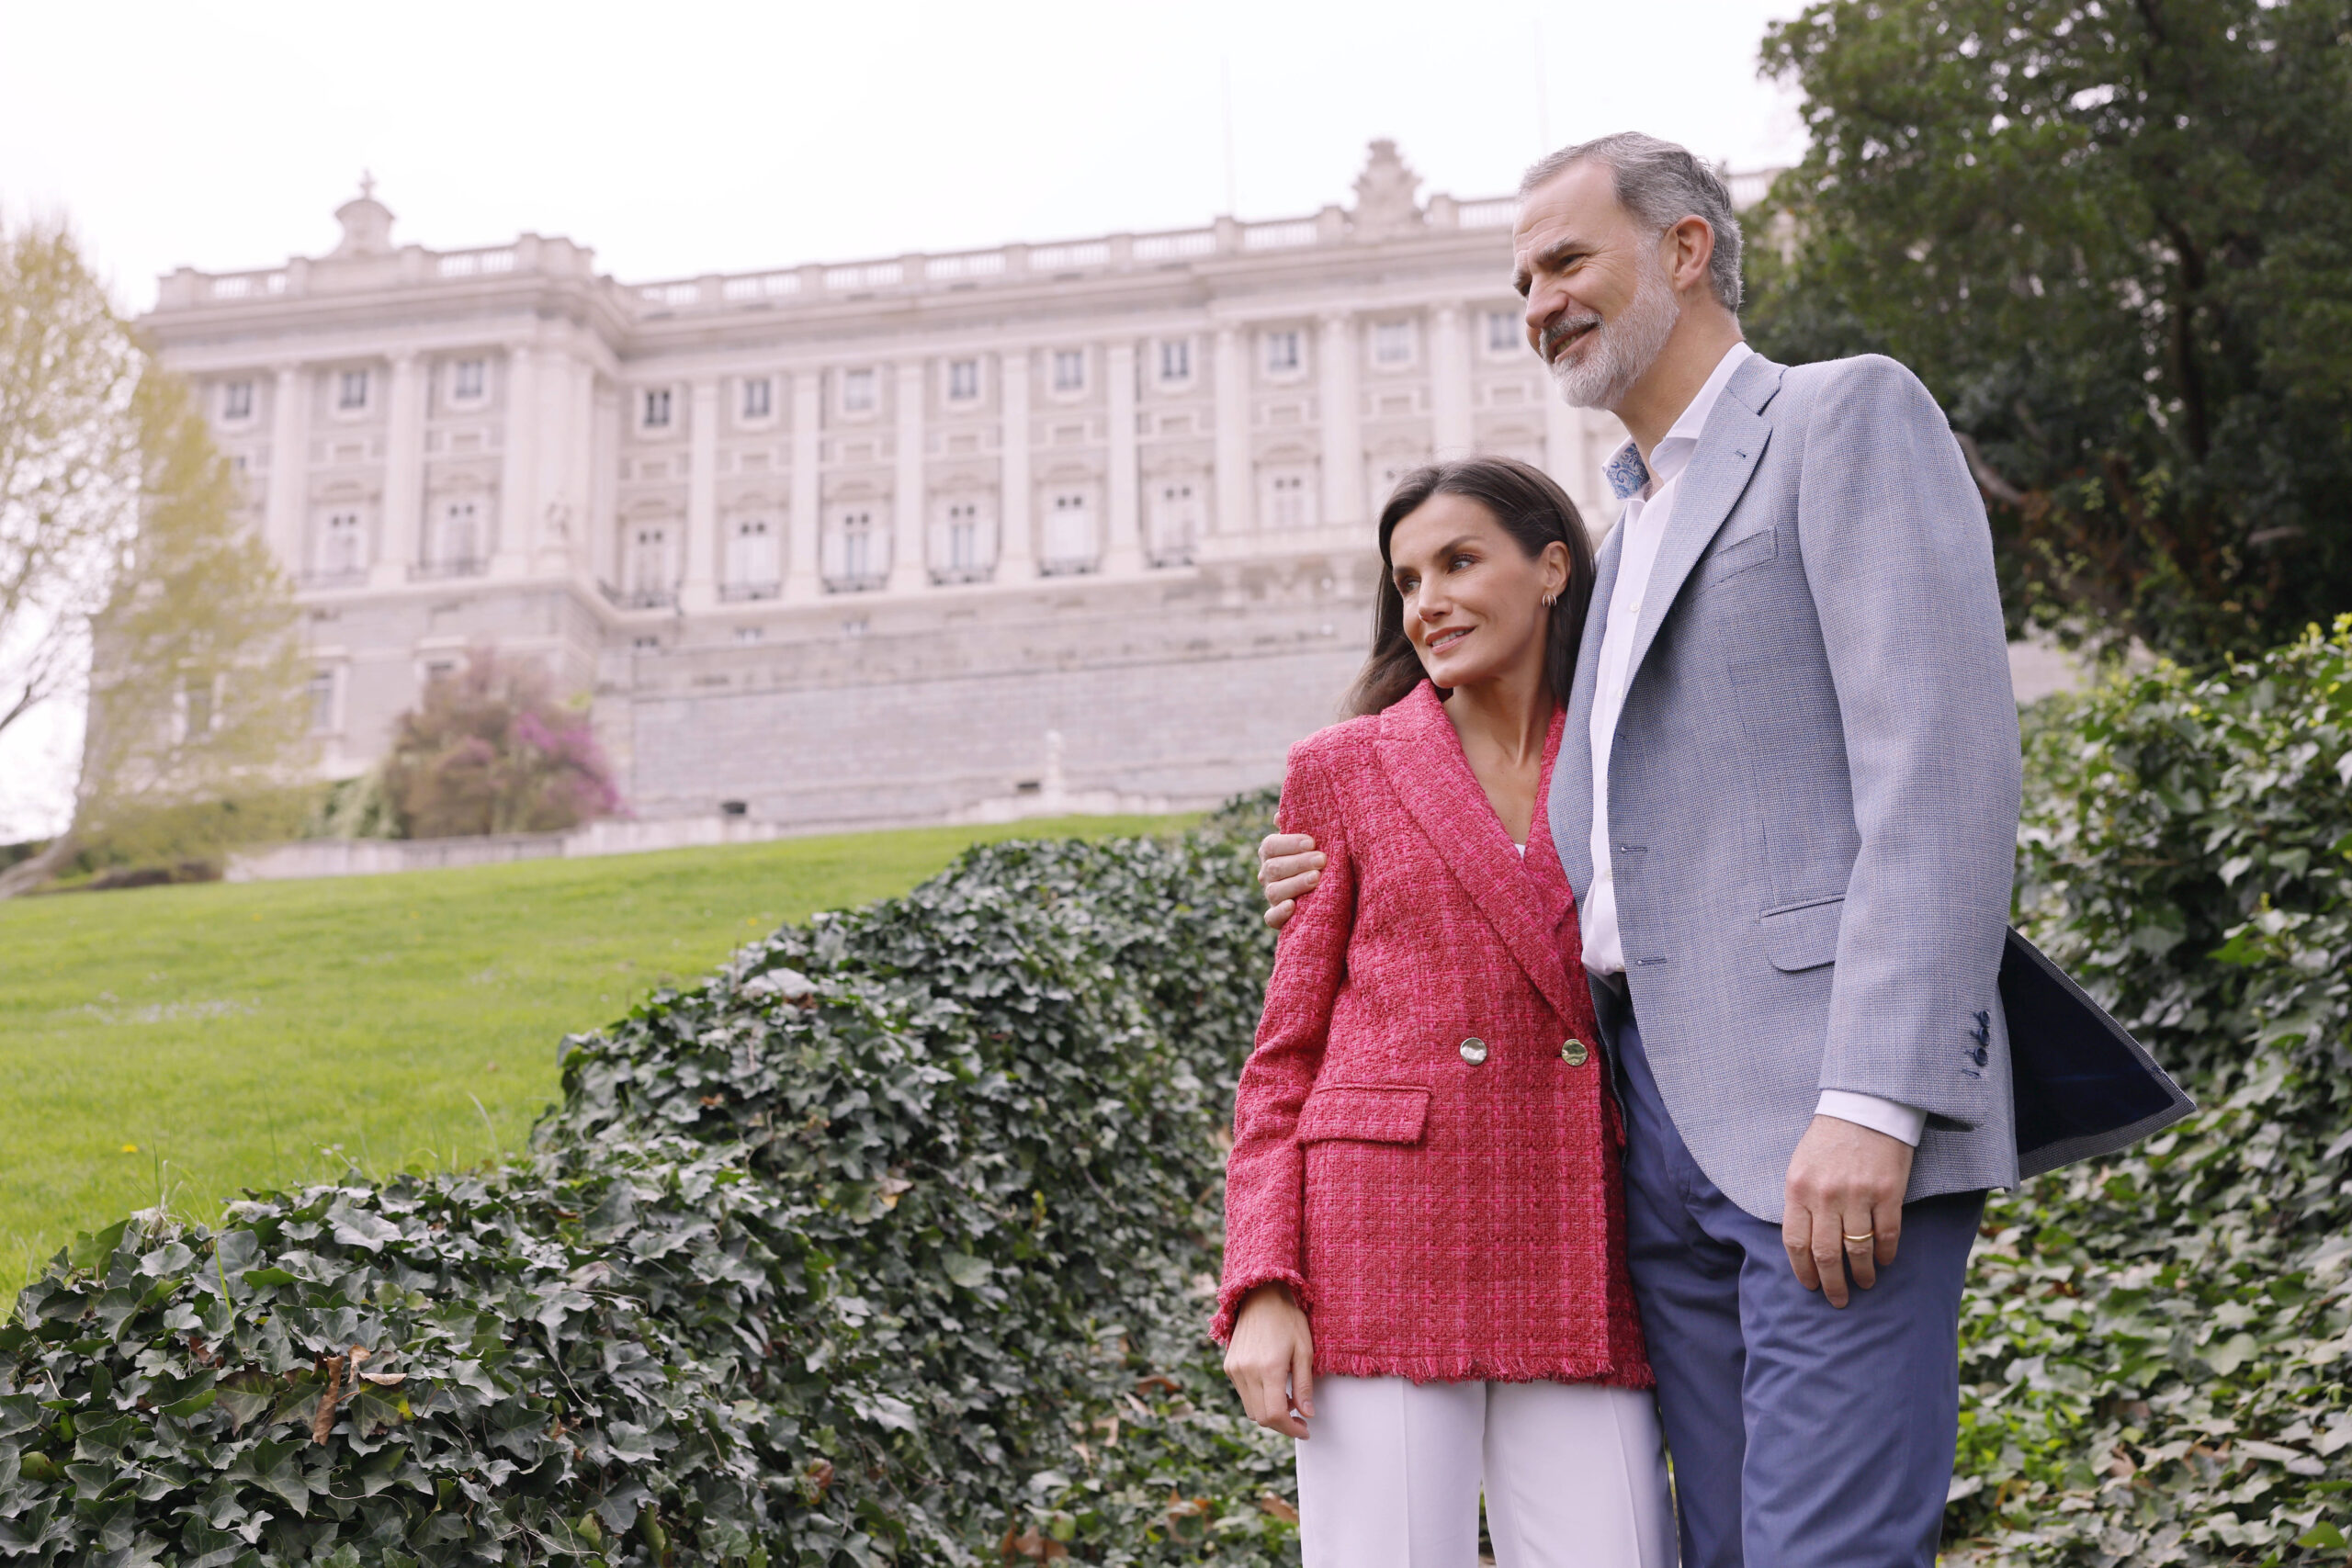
[182, 1043]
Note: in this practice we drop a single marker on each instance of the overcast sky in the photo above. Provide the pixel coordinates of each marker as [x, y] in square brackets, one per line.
[683, 138]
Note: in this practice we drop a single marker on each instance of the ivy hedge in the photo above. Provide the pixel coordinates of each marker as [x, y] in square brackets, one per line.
[2156, 1348]
[891, 1242]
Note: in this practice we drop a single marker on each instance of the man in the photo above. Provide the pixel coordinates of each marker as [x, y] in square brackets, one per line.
[1787, 801]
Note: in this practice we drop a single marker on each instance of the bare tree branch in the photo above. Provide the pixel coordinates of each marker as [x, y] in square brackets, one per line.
[1987, 479]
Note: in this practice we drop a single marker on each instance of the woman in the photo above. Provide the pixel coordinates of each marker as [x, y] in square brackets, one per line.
[1424, 1270]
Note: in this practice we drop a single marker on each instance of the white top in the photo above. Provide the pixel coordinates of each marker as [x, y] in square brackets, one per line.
[1648, 513]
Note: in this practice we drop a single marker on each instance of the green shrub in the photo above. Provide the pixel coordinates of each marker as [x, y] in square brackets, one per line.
[2156, 1348]
[905, 1261]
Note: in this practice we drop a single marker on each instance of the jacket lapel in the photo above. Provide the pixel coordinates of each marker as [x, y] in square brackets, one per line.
[1569, 803]
[1729, 448]
[1424, 762]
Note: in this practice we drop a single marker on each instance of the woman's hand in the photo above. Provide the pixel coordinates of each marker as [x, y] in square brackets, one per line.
[1288, 865]
[1272, 1359]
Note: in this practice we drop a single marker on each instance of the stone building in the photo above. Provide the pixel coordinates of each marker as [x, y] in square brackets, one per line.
[1084, 523]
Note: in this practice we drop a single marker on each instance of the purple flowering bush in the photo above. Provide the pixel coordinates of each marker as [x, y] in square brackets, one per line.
[492, 749]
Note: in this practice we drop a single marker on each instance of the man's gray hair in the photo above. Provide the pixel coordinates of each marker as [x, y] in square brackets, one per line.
[1660, 184]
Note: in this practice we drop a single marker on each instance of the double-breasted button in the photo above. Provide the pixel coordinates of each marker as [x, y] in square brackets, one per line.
[1574, 1052]
[1474, 1050]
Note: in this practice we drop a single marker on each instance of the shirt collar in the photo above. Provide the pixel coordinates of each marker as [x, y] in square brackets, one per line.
[1629, 475]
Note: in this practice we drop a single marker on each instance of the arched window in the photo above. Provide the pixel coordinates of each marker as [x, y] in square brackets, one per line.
[1175, 522]
[1069, 532]
[649, 576]
[458, 550]
[342, 552]
[752, 568]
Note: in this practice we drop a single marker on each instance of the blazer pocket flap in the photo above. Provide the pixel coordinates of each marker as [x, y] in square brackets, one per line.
[1364, 1113]
[1805, 937]
[1737, 556]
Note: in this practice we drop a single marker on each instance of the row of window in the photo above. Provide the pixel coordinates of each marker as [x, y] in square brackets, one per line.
[1282, 355]
[854, 545]
[467, 383]
[456, 543]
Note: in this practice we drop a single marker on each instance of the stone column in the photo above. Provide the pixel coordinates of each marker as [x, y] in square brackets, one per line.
[1450, 382]
[1016, 555]
[604, 492]
[908, 522]
[403, 474]
[803, 574]
[699, 590]
[555, 525]
[1235, 514]
[518, 488]
[1123, 545]
[290, 469]
[1342, 424]
[1563, 445]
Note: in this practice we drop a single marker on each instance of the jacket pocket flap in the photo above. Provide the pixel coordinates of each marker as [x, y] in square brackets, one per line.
[1735, 555]
[1366, 1113]
[1805, 937]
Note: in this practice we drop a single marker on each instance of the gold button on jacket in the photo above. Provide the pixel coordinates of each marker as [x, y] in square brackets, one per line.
[1574, 1052]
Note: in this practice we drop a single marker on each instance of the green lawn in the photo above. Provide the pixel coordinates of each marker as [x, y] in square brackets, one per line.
[188, 1041]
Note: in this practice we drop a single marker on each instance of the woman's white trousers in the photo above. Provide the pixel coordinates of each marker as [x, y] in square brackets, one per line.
[1574, 1475]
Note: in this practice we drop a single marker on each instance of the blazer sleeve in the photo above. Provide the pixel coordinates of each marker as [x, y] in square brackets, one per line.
[1265, 1174]
[1899, 560]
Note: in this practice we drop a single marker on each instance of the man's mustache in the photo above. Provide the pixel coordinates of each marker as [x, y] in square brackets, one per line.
[1566, 327]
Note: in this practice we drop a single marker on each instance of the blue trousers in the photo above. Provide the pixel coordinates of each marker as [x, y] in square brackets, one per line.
[1802, 1435]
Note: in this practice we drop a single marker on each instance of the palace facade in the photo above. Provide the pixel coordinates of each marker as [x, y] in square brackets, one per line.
[1086, 524]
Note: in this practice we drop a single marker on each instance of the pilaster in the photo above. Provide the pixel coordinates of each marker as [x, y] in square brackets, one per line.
[1123, 547]
[555, 528]
[802, 583]
[699, 590]
[289, 465]
[1450, 382]
[1016, 558]
[518, 489]
[1563, 445]
[908, 490]
[1342, 423]
[403, 473]
[1234, 512]
[604, 493]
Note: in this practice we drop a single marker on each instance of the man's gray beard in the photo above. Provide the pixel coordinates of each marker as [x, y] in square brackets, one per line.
[1621, 350]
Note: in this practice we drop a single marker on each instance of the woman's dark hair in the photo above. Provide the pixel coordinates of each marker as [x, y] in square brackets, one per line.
[1535, 511]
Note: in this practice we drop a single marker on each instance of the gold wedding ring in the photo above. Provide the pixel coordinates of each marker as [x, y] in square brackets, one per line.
[1866, 1235]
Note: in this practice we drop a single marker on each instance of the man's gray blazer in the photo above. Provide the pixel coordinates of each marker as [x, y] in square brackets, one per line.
[1814, 786]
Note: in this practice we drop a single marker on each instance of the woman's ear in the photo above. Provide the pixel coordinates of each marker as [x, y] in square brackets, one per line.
[1557, 569]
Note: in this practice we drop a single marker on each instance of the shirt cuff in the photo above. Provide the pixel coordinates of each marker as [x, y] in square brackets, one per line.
[1896, 1120]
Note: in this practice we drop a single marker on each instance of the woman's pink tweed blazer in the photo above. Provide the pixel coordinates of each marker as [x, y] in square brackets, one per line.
[1440, 1220]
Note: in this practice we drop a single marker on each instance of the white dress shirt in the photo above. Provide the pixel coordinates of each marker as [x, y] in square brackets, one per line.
[1649, 511]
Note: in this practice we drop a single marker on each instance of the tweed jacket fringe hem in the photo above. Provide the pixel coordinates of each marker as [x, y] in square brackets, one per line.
[1480, 1369]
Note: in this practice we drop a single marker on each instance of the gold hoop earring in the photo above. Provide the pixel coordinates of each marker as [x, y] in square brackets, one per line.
[1550, 599]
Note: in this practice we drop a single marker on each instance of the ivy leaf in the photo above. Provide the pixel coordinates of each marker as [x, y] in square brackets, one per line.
[964, 1269]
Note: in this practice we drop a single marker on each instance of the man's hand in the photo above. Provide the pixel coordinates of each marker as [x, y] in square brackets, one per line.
[1272, 1359]
[1288, 865]
[1845, 1205]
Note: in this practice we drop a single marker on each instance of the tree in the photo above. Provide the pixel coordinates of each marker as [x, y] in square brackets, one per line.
[491, 750]
[127, 580]
[68, 463]
[2113, 236]
[198, 734]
